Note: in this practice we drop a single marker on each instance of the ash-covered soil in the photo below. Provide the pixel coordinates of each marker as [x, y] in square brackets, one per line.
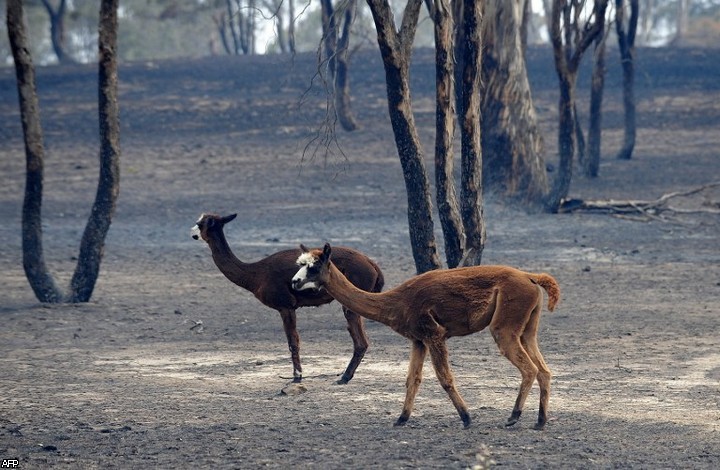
[171, 365]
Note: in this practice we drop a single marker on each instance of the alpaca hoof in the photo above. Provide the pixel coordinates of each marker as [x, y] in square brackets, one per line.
[466, 420]
[296, 380]
[343, 380]
[401, 421]
[513, 419]
[539, 426]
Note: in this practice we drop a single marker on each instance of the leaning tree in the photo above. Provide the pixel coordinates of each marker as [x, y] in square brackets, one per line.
[93, 240]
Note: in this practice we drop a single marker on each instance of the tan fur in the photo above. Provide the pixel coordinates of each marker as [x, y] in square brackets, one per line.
[434, 306]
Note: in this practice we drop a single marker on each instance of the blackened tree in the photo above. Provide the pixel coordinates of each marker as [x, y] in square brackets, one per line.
[93, 240]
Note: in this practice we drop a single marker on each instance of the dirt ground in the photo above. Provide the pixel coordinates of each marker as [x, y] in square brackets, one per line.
[171, 365]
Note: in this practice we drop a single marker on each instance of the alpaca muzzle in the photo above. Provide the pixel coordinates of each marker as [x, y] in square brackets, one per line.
[299, 284]
[195, 232]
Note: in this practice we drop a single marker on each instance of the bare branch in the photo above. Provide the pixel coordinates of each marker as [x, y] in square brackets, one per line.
[646, 210]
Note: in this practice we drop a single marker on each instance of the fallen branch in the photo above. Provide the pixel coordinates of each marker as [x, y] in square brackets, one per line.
[647, 210]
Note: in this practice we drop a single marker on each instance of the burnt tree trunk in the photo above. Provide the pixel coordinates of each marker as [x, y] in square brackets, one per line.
[330, 34]
[471, 185]
[446, 196]
[41, 281]
[591, 164]
[93, 240]
[526, 9]
[91, 247]
[463, 226]
[220, 24]
[279, 21]
[566, 142]
[457, 14]
[626, 44]
[336, 47]
[57, 29]
[579, 137]
[570, 40]
[233, 29]
[291, 27]
[396, 48]
[342, 79]
[243, 34]
[511, 141]
[246, 26]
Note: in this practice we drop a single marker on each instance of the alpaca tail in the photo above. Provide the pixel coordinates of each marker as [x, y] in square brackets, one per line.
[380, 282]
[550, 285]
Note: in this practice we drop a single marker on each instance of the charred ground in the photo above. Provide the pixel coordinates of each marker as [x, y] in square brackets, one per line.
[171, 365]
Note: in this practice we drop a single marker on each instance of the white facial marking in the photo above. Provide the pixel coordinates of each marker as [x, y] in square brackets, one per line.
[306, 259]
[195, 232]
[301, 275]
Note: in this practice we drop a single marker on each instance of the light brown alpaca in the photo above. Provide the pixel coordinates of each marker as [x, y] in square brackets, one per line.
[269, 279]
[434, 306]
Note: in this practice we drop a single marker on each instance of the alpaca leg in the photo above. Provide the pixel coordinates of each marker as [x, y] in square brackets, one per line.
[508, 342]
[417, 358]
[439, 356]
[293, 338]
[544, 376]
[356, 327]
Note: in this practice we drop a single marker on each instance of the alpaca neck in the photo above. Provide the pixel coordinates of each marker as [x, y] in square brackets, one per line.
[235, 270]
[371, 305]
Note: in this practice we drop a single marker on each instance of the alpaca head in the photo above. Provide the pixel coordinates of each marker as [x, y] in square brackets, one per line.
[313, 268]
[208, 223]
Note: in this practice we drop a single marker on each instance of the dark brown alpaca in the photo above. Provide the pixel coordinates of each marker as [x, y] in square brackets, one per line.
[270, 281]
[434, 306]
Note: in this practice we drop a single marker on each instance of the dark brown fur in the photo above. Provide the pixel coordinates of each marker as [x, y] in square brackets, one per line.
[270, 281]
[436, 305]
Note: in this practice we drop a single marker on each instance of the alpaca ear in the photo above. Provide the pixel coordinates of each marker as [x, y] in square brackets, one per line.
[303, 248]
[326, 252]
[228, 218]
